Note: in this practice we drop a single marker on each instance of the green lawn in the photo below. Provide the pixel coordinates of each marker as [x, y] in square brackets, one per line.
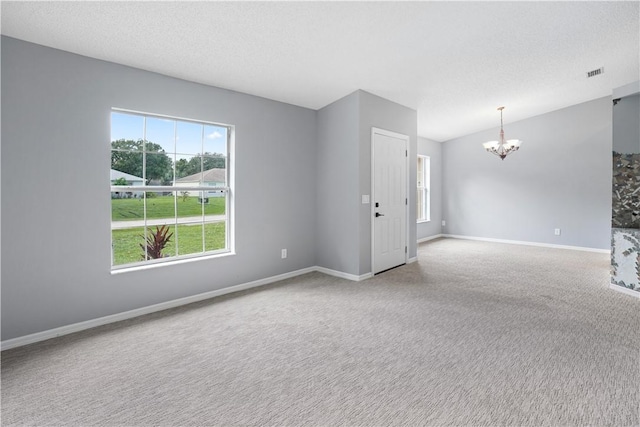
[126, 243]
[164, 207]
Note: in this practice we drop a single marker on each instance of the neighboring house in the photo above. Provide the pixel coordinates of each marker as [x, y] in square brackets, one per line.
[136, 181]
[215, 177]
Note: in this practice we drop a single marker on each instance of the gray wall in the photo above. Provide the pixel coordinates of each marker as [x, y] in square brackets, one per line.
[55, 144]
[299, 177]
[433, 149]
[560, 178]
[626, 125]
[337, 222]
[384, 114]
[344, 175]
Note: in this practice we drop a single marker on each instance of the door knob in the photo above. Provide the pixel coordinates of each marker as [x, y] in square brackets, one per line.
[379, 214]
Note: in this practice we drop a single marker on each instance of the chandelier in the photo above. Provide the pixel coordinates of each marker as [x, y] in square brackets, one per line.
[502, 148]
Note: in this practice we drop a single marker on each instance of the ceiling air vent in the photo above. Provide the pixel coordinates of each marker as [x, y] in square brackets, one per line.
[595, 72]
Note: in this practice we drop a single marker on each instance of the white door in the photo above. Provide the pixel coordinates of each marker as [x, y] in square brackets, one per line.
[389, 201]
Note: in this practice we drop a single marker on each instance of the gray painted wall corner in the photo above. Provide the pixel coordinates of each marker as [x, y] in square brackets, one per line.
[344, 175]
[384, 114]
[336, 186]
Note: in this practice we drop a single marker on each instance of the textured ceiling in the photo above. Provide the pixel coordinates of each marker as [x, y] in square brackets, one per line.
[454, 62]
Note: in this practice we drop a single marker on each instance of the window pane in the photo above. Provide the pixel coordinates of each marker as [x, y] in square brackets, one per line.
[427, 172]
[189, 138]
[127, 128]
[160, 241]
[215, 235]
[194, 167]
[419, 204]
[217, 204]
[427, 205]
[127, 206]
[187, 165]
[214, 174]
[201, 170]
[126, 166]
[190, 238]
[159, 169]
[190, 205]
[160, 134]
[160, 207]
[215, 140]
[128, 244]
[125, 245]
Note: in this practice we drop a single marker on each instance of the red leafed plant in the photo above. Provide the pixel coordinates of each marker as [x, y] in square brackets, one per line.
[156, 241]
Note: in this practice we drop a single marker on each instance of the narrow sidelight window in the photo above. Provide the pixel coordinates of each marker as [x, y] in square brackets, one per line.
[424, 192]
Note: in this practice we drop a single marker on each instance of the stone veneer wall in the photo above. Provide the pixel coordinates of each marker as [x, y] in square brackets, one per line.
[625, 215]
[626, 191]
[625, 258]
[625, 221]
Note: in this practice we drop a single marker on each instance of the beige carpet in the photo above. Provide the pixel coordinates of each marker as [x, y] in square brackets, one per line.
[473, 334]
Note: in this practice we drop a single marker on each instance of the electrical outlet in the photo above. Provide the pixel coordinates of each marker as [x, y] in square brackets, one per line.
[444, 222]
[284, 253]
[556, 231]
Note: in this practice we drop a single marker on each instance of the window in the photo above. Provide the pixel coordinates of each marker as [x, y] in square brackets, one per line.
[170, 189]
[424, 190]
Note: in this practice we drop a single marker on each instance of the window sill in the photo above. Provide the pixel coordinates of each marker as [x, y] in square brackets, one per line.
[121, 270]
[423, 221]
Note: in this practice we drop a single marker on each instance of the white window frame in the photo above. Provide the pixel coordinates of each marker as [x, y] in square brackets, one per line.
[424, 210]
[227, 190]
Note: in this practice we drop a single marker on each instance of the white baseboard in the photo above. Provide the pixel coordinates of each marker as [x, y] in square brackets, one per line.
[426, 239]
[412, 260]
[81, 326]
[343, 275]
[625, 290]
[518, 242]
[88, 324]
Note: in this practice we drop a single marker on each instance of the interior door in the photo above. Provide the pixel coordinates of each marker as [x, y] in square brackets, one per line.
[389, 204]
